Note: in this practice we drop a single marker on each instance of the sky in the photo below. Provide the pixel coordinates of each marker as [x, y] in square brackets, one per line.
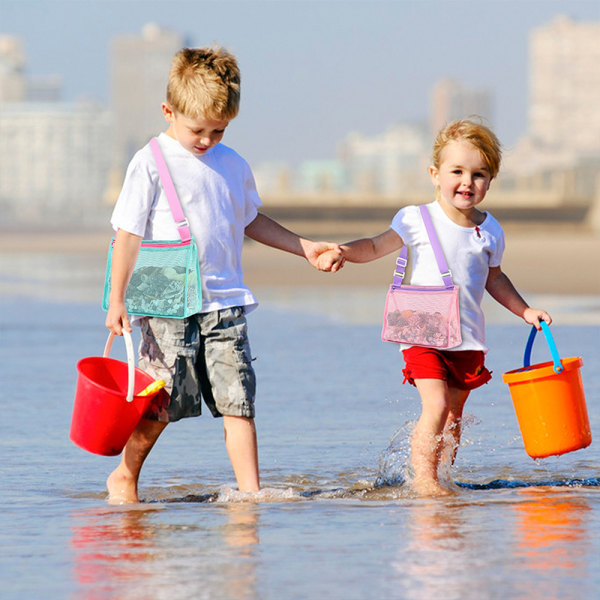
[312, 71]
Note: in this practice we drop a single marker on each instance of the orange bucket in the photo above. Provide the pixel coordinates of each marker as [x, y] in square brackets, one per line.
[106, 408]
[550, 402]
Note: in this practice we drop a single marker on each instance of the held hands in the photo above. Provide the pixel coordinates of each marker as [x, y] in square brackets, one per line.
[533, 316]
[331, 261]
[325, 256]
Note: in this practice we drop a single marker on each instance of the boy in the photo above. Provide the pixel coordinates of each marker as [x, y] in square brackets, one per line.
[207, 354]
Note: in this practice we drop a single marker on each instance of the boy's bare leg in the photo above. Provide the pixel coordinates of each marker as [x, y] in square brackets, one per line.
[427, 442]
[122, 483]
[242, 447]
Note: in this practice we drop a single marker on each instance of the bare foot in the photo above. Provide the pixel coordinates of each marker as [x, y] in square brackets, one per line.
[429, 487]
[121, 488]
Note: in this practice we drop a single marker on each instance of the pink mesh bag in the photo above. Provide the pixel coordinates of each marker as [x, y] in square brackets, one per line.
[423, 315]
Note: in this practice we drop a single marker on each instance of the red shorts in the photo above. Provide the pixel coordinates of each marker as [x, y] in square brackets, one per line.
[462, 369]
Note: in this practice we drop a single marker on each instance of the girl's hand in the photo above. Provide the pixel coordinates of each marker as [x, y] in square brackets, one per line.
[533, 316]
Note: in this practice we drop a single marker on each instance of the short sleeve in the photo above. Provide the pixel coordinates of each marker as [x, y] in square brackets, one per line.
[406, 224]
[498, 249]
[252, 199]
[138, 195]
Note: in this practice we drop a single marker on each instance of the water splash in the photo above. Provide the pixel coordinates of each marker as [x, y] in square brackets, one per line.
[394, 461]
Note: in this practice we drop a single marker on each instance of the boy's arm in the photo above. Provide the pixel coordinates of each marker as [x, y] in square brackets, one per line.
[504, 292]
[266, 231]
[125, 251]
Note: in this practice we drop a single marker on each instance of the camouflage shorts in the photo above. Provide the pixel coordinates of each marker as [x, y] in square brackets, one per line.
[204, 356]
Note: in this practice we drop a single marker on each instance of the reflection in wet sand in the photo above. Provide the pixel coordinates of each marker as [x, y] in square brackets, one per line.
[440, 563]
[551, 538]
[130, 553]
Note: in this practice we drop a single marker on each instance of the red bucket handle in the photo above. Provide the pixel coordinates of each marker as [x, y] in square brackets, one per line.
[130, 359]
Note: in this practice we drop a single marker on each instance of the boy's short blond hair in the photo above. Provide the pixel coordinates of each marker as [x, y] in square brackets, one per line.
[204, 83]
[480, 136]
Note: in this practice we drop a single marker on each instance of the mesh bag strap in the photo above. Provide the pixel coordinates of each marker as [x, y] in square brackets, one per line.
[402, 259]
[437, 249]
[170, 192]
[401, 263]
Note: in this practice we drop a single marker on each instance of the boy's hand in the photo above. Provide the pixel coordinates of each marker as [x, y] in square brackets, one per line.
[330, 261]
[117, 318]
[315, 250]
[533, 316]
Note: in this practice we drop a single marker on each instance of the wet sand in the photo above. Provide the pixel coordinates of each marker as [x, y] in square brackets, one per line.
[539, 258]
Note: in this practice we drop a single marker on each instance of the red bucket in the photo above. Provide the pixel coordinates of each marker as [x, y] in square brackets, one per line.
[106, 408]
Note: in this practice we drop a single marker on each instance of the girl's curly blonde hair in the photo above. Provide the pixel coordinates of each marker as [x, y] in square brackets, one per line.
[480, 136]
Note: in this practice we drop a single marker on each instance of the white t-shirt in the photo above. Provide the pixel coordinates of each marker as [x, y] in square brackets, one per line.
[219, 199]
[469, 254]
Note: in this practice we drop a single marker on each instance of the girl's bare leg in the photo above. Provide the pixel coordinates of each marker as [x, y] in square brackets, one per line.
[122, 483]
[242, 447]
[427, 438]
[453, 427]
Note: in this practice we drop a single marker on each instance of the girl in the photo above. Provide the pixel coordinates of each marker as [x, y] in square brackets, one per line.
[466, 157]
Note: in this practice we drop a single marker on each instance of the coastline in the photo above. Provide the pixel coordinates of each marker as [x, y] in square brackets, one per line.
[540, 258]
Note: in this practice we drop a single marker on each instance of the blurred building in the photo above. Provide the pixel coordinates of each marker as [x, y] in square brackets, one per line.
[13, 83]
[139, 69]
[273, 178]
[390, 163]
[564, 59]
[451, 100]
[54, 163]
[560, 152]
[44, 89]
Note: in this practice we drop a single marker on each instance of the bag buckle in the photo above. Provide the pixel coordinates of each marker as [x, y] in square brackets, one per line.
[401, 262]
[182, 223]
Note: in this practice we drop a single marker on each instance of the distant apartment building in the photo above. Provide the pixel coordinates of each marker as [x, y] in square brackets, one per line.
[13, 83]
[389, 163]
[139, 68]
[451, 100]
[54, 163]
[564, 59]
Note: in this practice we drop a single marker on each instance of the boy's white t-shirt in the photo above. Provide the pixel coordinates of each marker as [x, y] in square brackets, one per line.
[469, 253]
[219, 199]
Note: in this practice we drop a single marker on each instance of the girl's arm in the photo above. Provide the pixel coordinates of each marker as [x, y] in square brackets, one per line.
[125, 252]
[266, 231]
[368, 249]
[504, 292]
[362, 250]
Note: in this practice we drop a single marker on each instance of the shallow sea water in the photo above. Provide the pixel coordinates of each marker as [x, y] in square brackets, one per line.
[334, 519]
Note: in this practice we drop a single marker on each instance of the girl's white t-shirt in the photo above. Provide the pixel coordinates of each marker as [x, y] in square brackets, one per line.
[469, 252]
[219, 199]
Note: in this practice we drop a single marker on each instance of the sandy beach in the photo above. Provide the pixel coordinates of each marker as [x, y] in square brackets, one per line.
[541, 258]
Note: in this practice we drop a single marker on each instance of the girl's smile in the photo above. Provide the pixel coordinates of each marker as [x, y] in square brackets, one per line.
[462, 180]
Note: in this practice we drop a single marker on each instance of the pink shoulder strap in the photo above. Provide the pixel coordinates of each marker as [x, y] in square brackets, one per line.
[170, 192]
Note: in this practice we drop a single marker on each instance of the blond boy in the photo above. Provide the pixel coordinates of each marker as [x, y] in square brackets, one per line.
[207, 355]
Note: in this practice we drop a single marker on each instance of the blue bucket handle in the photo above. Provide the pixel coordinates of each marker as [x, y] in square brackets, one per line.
[550, 340]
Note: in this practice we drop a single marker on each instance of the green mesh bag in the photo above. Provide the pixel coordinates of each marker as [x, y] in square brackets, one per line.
[166, 279]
